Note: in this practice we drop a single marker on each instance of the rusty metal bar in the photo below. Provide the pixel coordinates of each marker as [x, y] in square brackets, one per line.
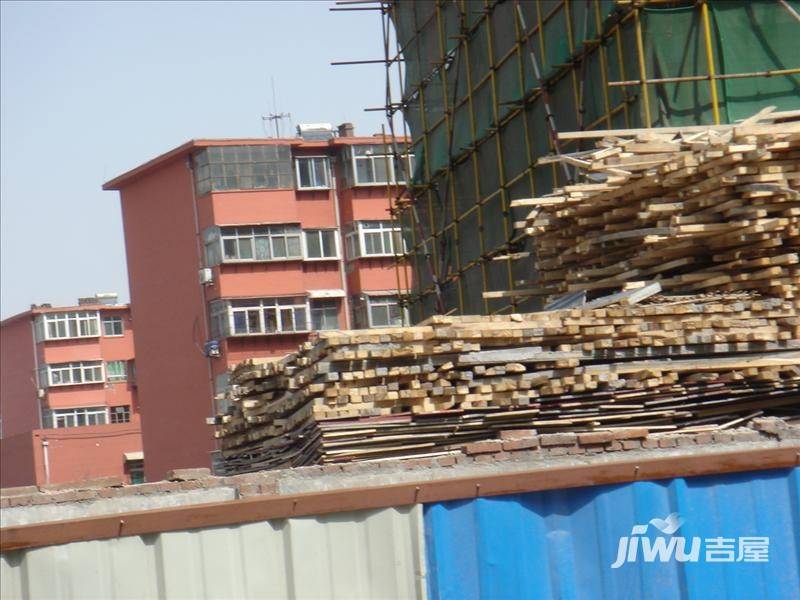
[256, 509]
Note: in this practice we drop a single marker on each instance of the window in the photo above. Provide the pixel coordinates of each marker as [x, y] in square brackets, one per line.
[116, 370]
[268, 242]
[220, 168]
[219, 311]
[324, 314]
[321, 243]
[112, 326]
[211, 239]
[78, 417]
[312, 172]
[375, 165]
[74, 373]
[54, 326]
[378, 311]
[120, 414]
[259, 316]
[373, 238]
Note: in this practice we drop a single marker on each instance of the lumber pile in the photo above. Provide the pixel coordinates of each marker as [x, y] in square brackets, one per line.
[668, 363]
[673, 287]
[715, 209]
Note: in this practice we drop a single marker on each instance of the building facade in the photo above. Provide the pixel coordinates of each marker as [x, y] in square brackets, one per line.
[240, 248]
[68, 403]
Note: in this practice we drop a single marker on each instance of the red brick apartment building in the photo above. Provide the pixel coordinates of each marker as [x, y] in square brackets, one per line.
[240, 248]
[68, 400]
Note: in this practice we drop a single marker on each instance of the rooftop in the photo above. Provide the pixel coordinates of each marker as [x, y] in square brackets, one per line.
[185, 149]
[100, 301]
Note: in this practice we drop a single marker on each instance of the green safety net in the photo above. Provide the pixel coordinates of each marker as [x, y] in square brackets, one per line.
[500, 133]
[747, 37]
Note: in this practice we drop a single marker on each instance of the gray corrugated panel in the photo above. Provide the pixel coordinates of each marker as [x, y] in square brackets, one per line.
[365, 554]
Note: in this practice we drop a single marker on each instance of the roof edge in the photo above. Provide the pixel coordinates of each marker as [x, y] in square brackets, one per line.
[118, 182]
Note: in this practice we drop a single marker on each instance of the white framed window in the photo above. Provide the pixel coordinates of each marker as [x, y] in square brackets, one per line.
[312, 172]
[78, 324]
[120, 414]
[378, 311]
[117, 370]
[324, 314]
[74, 373]
[384, 311]
[78, 417]
[269, 242]
[262, 242]
[374, 164]
[112, 326]
[259, 316]
[373, 238]
[321, 244]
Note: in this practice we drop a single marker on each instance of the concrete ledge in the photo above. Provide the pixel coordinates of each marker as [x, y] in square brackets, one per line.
[516, 450]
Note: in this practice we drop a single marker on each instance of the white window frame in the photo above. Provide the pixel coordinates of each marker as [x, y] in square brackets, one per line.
[356, 239]
[331, 303]
[63, 320]
[318, 232]
[81, 367]
[117, 378]
[326, 184]
[387, 160]
[72, 414]
[112, 319]
[224, 312]
[274, 231]
[381, 302]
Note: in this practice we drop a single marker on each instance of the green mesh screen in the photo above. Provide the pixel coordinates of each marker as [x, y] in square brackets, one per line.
[476, 113]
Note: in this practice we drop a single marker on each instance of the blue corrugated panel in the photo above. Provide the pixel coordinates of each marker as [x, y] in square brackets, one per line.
[562, 543]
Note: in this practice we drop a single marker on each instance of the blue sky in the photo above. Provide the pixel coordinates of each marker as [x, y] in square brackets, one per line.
[89, 90]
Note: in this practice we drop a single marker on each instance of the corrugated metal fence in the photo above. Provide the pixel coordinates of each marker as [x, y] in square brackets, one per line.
[563, 543]
[719, 536]
[365, 554]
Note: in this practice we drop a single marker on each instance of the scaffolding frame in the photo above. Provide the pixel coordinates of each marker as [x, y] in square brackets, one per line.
[444, 230]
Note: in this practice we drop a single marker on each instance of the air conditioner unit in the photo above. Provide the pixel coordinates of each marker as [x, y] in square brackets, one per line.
[206, 276]
[40, 393]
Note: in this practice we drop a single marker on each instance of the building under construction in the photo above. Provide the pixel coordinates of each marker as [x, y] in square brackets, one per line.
[486, 89]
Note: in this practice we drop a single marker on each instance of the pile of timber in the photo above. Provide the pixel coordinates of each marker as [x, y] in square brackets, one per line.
[674, 289]
[693, 209]
[668, 363]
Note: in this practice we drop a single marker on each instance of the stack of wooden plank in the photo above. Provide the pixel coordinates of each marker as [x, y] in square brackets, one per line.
[667, 363]
[673, 278]
[715, 209]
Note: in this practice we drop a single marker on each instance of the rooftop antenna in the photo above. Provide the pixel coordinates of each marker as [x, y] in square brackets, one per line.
[276, 117]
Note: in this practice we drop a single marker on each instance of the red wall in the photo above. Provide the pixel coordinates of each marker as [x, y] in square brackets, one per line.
[16, 460]
[80, 453]
[74, 454]
[18, 404]
[175, 391]
[281, 278]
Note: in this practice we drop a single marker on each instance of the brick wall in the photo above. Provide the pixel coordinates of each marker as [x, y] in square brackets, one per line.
[514, 449]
